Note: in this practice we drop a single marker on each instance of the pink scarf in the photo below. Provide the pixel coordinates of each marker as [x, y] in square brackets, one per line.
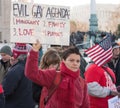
[66, 89]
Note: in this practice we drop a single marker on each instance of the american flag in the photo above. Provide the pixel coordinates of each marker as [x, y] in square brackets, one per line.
[101, 53]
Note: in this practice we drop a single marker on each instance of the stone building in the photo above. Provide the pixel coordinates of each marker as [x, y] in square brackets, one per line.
[5, 7]
[105, 14]
[5, 20]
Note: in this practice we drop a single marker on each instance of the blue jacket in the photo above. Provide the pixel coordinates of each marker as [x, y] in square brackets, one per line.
[17, 88]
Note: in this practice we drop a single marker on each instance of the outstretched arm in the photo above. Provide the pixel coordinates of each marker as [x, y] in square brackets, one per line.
[32, 71]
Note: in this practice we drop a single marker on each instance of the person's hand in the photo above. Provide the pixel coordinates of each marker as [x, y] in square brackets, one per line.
[119, 95]
[114, 93]
[37, 45]
[118, 88]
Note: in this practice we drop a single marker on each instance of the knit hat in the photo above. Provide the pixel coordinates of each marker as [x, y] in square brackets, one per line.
[6, 49]
[20, 48]
[115, 45]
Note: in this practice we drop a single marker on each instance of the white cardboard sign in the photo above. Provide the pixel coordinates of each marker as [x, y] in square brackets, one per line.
[114, 102]
[48, 23]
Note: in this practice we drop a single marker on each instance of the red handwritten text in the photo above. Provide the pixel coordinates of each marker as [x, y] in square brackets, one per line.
[25, 32]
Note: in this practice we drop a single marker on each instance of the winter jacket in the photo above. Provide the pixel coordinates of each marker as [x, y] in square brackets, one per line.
[2, 98]
[36, 92]
[17, 88]
[99, 84]
[116, 70]
[46, 77]
[3, 69]
[82, 66]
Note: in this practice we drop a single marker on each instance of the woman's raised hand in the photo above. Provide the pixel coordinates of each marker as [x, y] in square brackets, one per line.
[37, 45]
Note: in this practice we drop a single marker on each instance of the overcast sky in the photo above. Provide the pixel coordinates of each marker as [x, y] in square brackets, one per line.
[75, 2]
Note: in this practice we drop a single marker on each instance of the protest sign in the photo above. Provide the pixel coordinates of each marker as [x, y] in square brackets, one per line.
[48, 23]
[114, 102]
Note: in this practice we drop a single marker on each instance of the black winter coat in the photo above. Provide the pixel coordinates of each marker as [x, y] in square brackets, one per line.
[17, 88]
[2, 98]
[2, 101]
[116, 71]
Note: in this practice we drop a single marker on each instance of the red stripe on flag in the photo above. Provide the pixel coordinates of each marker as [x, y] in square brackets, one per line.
[99, 55]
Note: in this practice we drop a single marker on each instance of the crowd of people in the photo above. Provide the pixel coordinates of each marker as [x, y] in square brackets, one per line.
[30, 78]
[79, 37]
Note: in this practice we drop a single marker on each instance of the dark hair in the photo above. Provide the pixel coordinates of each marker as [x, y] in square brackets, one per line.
[71, 50]
[103, 34]
[115, 44]
[50, 57]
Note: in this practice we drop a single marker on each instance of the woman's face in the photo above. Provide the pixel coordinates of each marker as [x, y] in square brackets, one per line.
[72, 62]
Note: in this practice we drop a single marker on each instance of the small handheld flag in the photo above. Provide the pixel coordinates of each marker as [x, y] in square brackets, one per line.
[101, 53]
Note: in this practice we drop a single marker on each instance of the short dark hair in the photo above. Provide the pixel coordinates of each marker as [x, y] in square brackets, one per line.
[70, 50]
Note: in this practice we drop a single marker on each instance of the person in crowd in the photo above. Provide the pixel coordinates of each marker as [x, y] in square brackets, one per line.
[17, 88]
[82, 66]
[5, 53]
[101, 85]
[114, 64]
[50, 59]
[71, 91]
[83, 62]
[2, 98]
[40, 55]
[73, 39]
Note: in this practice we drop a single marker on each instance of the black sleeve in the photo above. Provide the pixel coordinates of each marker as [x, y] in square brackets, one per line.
[11, 81]
[36, 89]
[82, 67]
[2, 100]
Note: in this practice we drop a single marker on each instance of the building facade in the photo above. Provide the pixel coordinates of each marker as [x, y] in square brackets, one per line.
[107, 14]
[5, 7]
[5, 20]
